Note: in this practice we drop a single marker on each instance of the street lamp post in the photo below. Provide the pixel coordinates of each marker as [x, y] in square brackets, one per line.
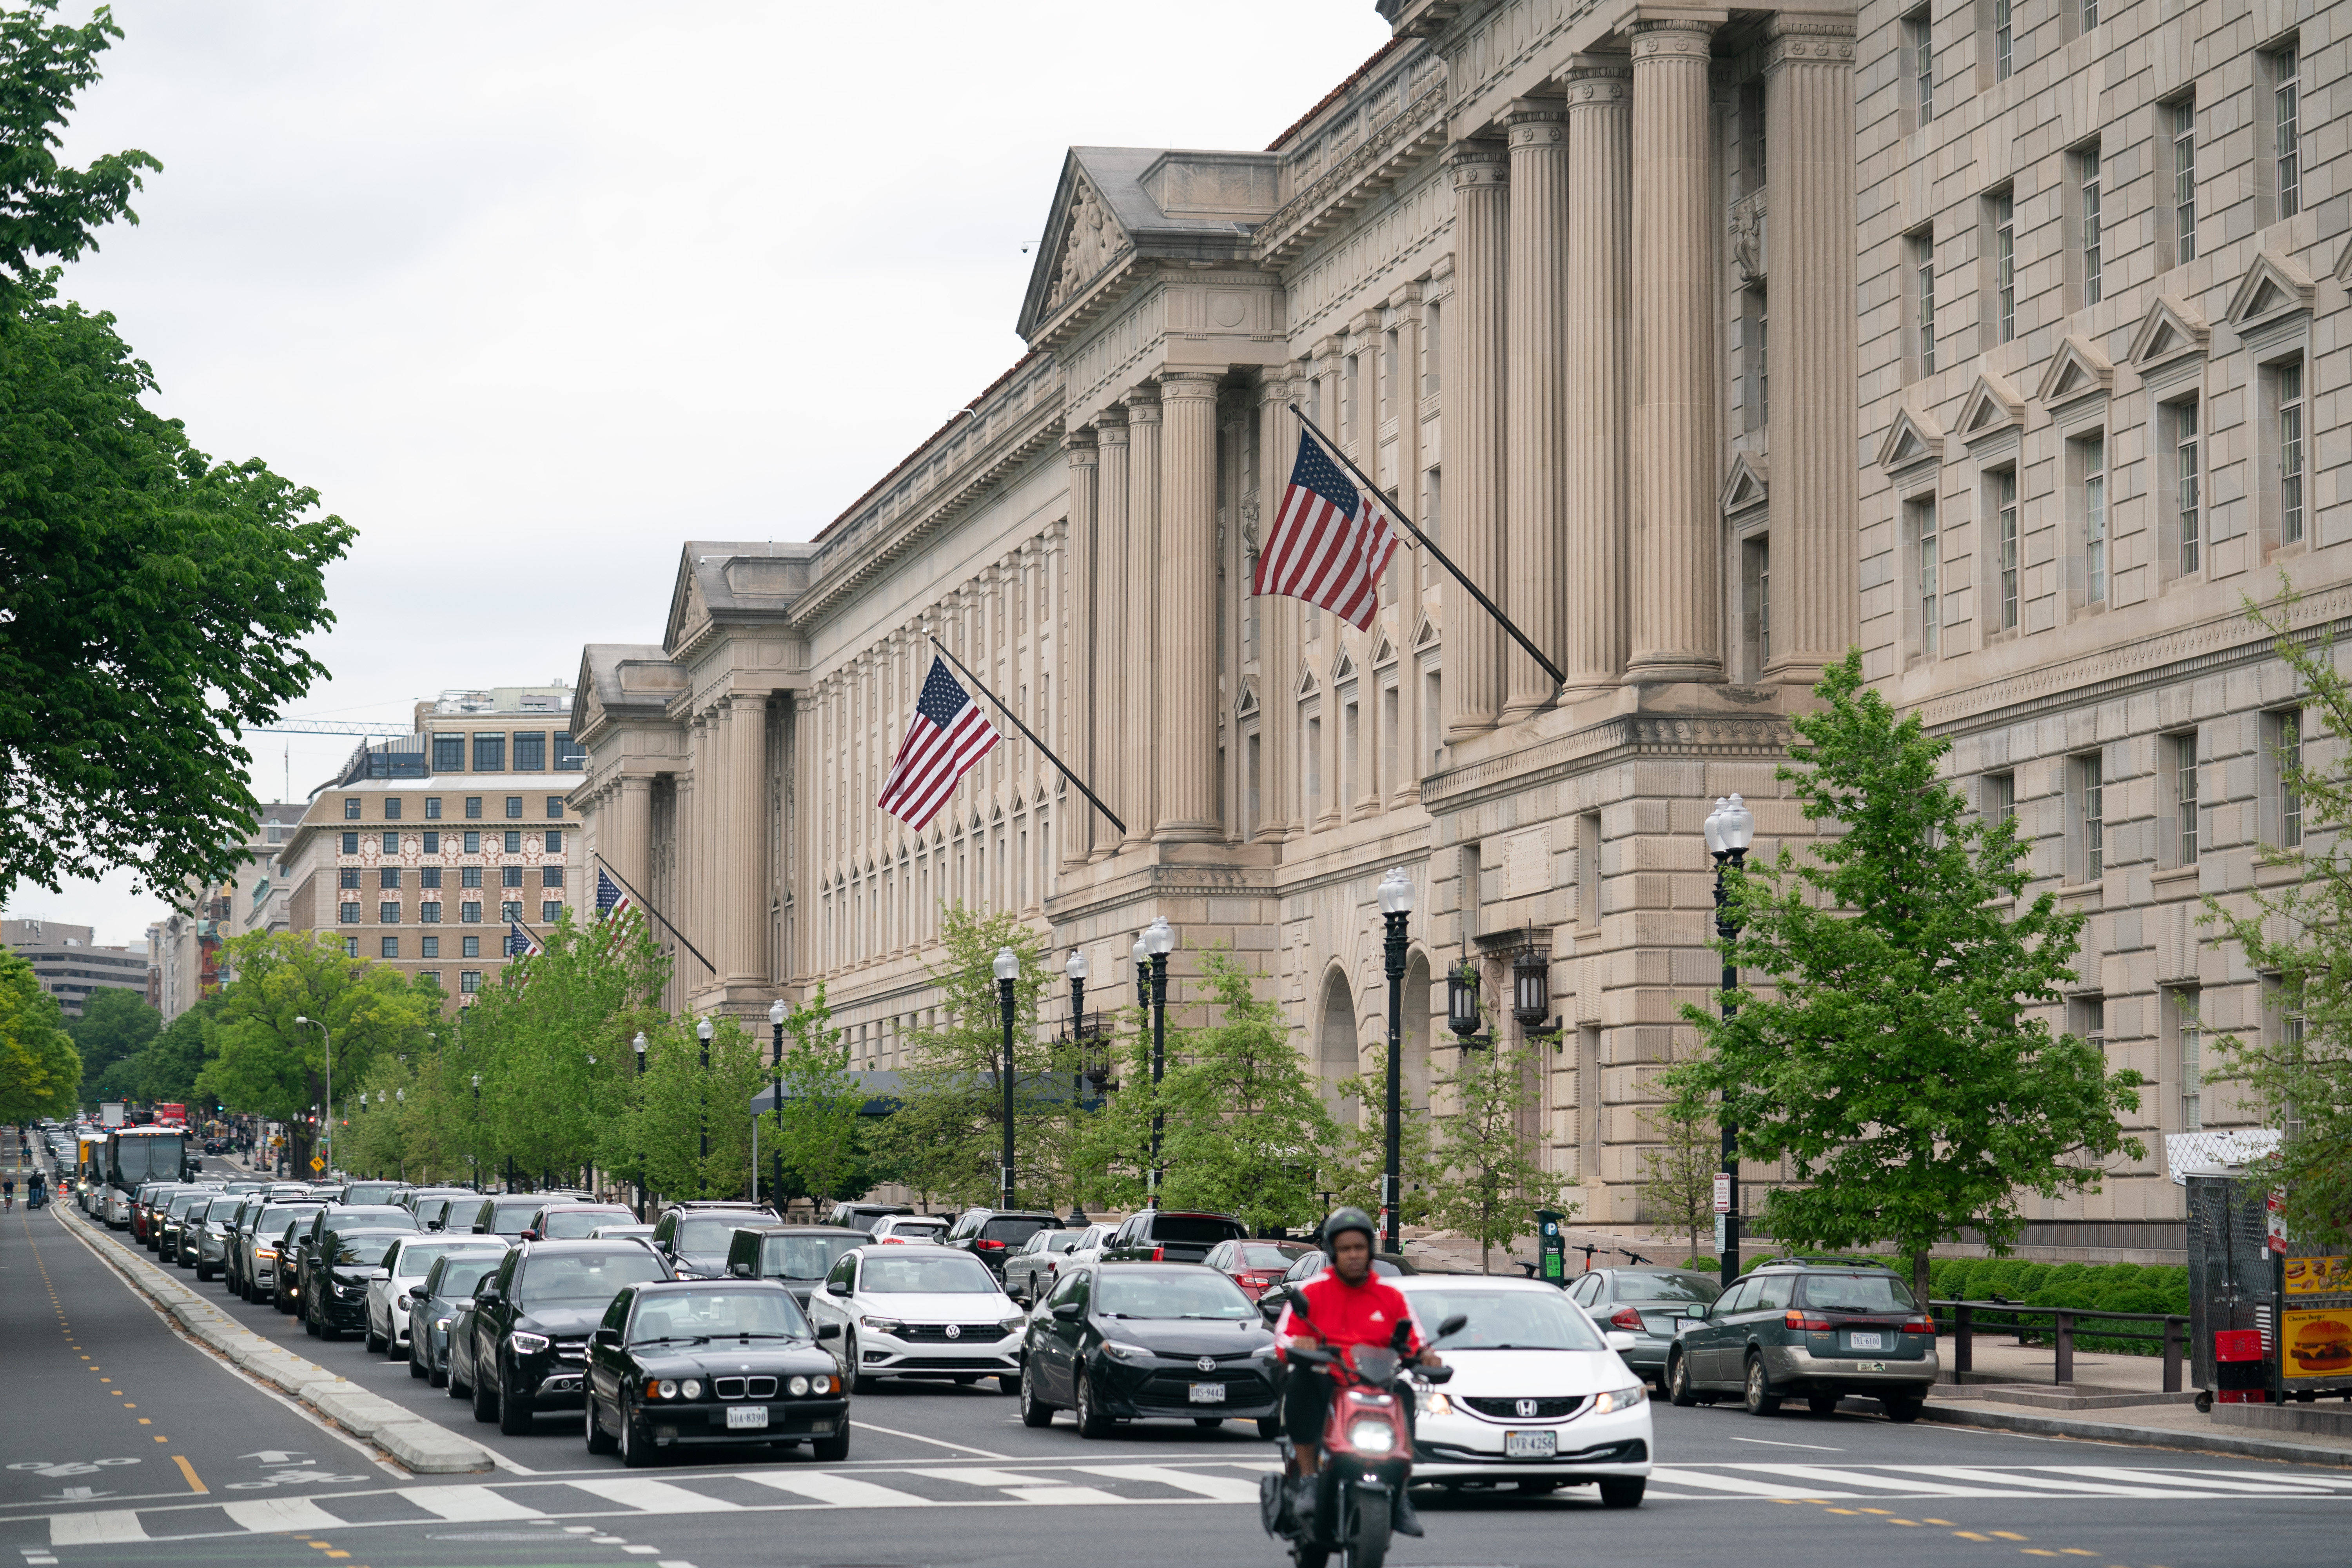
[327, 1044]
[702, 1032]
[1730, 828]
[1008, 971]
[1159, 941]
[639, 1045]
[478, 1133]
[776, 1025]
[1396, 910]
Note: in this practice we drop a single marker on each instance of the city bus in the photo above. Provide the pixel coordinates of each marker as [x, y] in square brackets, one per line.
[139, 1154]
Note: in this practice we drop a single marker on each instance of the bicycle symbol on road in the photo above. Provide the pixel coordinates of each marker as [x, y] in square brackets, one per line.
[293, 1477]
[67, 1467]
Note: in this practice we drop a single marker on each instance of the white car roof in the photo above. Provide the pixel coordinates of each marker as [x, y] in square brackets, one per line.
[1411, 1283]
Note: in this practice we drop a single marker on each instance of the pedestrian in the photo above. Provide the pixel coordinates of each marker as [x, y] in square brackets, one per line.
[7, 1192]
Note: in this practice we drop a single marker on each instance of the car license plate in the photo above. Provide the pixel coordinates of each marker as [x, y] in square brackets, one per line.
[1868, 1342]
[742, 1416]
[1208, 1393]
[1530, 1445]
[1870, 1366]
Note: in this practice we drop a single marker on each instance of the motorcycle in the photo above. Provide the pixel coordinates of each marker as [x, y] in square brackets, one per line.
[1366, 1451]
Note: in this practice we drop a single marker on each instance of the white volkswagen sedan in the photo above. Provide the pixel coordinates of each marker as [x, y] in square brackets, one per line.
[1540, 1396]
[919, 1310]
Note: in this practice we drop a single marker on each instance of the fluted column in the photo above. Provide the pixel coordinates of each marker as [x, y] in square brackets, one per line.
[1140, 794]
[1599, 360]
[1477, 357]
[1809, 267]
[1277, 660]
[1405, 568]
[744, 856]
[1076, 643]
[630, 844]
[1534, 418]
[1677, 613]
[1114, 565]
[1185, 590]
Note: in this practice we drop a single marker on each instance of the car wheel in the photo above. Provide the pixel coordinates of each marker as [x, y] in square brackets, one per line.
[636, 1448]
[514, 1411]
[1622, 1491]
[1678, 1384]
[1092, 1422]
[599, 1441]
[1034, 1412]
[832, 1450]
[1902, 1409]
[1758, 1396]
[1367, 1542]
[1208, 1423]
[438, 1377]
[310, 1325]
[858, 1382]
[1822, 1404]
[1269, 1427]
[374, 1341]
[415, 1367]
[486, 1399]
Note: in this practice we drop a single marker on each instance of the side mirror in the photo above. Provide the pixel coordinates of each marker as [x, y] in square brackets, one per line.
[828, 1331]
[739, 1270]
[528, 1235]
[380, 1274]
[1622, 1339]
[1697, 1314]
[606, 1336]
[1069, 1312]
[480, 1229]
[1453, 1325]
[836, 1287]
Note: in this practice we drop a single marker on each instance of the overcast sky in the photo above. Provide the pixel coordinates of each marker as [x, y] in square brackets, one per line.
[532, 292]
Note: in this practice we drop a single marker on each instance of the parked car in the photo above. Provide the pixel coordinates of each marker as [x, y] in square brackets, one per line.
[1130, 1342]
[256, 1247]
[1815, 1332]
[525, 1345]
[1255, 1266]
[1172, 1236]
[571, 1220]
[394, 1280]
[1541, 1397]
[701, 1363]
[1312, 1262]
[507, 1215]
[1029, 1268]
[356, 1194]
[447, 1291]
[693, 1237]
[862, 1215]
[342, 1262]
[1649, 1302]
[310, 1248]
[925, 1312]
[992, 1235]
[906, 1227]
[797, 1256]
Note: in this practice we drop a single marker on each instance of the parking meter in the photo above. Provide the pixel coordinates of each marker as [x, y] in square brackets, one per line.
[1553, 1265]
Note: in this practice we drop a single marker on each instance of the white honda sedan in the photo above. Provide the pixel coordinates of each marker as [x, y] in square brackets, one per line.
[919, 1310]
[1539, 1397]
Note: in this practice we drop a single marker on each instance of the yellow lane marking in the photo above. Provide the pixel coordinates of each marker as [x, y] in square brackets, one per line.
[2011, 1535]
[1944, 1522]
[1913, 1523]
[1883, 1513]
[1970, 1535]
[189, 1470]
[2077, 1552]
[142, 1421]
[2037, 1552]
[1844, 1510]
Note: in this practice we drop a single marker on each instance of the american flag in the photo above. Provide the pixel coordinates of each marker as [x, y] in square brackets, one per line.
[947, 735]
[612, 901]
[520, 943]
[1330, 540]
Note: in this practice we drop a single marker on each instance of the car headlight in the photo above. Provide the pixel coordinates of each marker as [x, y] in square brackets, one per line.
[1433, 1401]
[404, 1301]
[1014, 1325]
[665, 1389]
[799, 1386]
[690, 1389]
[884, 1325]
[1620, 1399]
[269, 1252]
[1370, 1437]
[441, 1324]
[1118, 1350]
[523, 1343]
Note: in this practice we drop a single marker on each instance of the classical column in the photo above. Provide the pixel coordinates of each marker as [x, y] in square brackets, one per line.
[745, 855]
[1076, 643]
[1405, 567]
[1478, 357]
[631, 843]
[1108, 686]
[1600, 364]
[1184, 588]
[1537, 265]
[1278, 619]
[1809, 267]
[1677, 615]
[1143, 587]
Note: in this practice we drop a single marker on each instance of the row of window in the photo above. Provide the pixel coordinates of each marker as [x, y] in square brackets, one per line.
[468, 981]
[470, 843]
[2183, 1004]
[530, 752]
[468, 876]
[469, 911]
[393, 806]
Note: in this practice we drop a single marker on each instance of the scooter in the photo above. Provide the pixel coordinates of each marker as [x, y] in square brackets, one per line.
[1366, 1452]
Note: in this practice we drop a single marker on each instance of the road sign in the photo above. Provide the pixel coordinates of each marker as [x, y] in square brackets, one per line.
[1722, 1192]
[317, 1163]
[1719, 1237]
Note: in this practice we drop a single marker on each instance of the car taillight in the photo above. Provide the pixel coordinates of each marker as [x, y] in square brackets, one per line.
[1626, 1318]
[986, 1245]
[1796, 1320]
[1158, 1254]
[1919, 1326]
[892, 1241]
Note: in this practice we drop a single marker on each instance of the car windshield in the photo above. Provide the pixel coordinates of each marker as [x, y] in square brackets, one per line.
[717, 1314]
[461, 1279]
[201, 1209]
[1258, 1255]
[572, 1225]
[1012, 1232]
[1508, 1319]
[1203, 1295]
[1667, 1288]
[1194, 1227]
[383, 1216]
[803, 1256]
[416, 1259]
[508, 1219]
[354, 1251]
[1854, 1293]
[912, 1274]
[589, 1277]
[184, 1203]
[271, 1218]
[370, 1192]
[711, 1234]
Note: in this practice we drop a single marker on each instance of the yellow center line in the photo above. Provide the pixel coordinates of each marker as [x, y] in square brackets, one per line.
[189, 1470]
[1843, 1510]
[1883, 1513]
[2037, 1552]
[1942, 1521]
[2077, 1552]
[1970, 1535]
[1913, 1523]
[2010, 1535]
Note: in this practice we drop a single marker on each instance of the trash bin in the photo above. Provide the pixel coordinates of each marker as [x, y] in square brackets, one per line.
[2241, 1371]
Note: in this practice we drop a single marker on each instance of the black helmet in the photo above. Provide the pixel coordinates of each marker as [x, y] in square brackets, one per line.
[1348, 1219]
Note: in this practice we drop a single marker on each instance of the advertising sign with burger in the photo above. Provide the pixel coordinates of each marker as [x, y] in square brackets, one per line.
[2318, 1344]
[2318, 1276]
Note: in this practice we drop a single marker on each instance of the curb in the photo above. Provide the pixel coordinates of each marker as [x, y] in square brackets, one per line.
[2142, 1437]
[417, 1444]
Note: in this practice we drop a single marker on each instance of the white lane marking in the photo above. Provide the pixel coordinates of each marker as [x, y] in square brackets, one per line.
[1224, 1488]
[654, 1497]
[1676, 1478]
[262, 1515]
[1024, 1489]
[1768, 1443]
[2331, 1483]
[2012, 1479]
[468, 1504]
[979, 1477]
[1063, 1494]
[842, 1491]
[1842, 1477]
[935, 1442]
[106, 1527]
[2211, 1481]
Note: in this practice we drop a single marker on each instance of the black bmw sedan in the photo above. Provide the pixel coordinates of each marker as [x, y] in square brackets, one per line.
[699, 1363]
[1126, 1342]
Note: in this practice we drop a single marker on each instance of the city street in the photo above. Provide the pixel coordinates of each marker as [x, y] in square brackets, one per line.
[130, 1444]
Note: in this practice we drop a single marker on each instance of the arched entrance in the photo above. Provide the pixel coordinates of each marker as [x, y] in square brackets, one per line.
[1335, 1058]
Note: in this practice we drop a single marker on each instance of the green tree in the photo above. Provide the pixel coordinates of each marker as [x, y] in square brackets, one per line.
[1495, 1179]
[815, 1130]
[168, 1069]
[1679, 1164]
[2302, 1076]
[682, 1102]
[1362, 1159]
[40, 1071]
[1896, 1062]
[52, 211]
[115, 1025]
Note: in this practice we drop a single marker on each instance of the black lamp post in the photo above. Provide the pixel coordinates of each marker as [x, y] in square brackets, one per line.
[702, 1032]
[1396, 910]
[478, 1133]
[1008, 971]
[1159, 940]
[1531, 985]
[776, 1186]
[1730, 828]
[638, 1044]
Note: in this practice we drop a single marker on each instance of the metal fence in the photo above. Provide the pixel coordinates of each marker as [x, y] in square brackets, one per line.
[1958, 1319]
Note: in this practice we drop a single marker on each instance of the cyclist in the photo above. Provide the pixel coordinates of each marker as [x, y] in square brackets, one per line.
[7, 1192]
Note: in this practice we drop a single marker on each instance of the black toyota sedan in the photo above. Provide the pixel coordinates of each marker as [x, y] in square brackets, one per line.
[525, 1342]
[1126, 1342]
[340, 1261]
[701, 1363]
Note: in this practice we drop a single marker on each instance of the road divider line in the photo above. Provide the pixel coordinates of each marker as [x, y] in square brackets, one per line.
[189, 1470]
[1222, 1488]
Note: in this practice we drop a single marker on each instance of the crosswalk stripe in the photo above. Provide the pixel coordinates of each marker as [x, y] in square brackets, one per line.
[842, 1491]
[1224, 1488]
[654, 1497]
[1703, 1482]
[983, 1478]
[106, 1527]
[2211, 1481]
[1066, 1494]
[1024, 1489]
[2041, 1483]
[263, 1514]
[467, 1504]
[1842, 1477]
[2323, 1483]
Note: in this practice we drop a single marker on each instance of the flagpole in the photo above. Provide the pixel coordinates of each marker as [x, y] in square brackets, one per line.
[1558, 679]
[647, 904]
[1075, 782]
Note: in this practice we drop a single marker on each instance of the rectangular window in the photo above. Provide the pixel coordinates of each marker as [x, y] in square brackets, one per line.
[555, 841]
[529, 751]
[392, 809]
[1253, 798]
[391, 947]
[2183, 112]
[469, 981]
[513, 842]
[433, 843]
[470, 914]
[570, 756]
[432, 808]
[1923, 547]
[1756, 575]
[349, 876]
[490, 752]
[472, 841]
[2091, 1021]
[428, 875]
[428, 947]
[551, 875]
[1587, 869]
[469, 876]
[2001, 485]
[1351, 395]
[348, 914]
[2090, 771]
[2181, 763]
[388, 877]
[555, 808]
[510, 909]
[549, 911]
[1751, 129]
[514, 805]
[2004, 39]
[350, 947]
[392, 843]
[2092, 237]
[1922, 249]
[431, 977]
[473, 806]
[351, 843]
[2091, 478]
[510, 876]
[2000, 798]
[1386, 784]
[2287, 420]
[2287, 759]
[1919, 65]
[1350, 744]
[2286, 134]
[2004, 265]
[448, 754]
[2188, 492]
[387, 913]
[469, 947]
[2089, 15]
[1313, 772]
[429, 913]
[2190, 1034]
[1433, 326]
[351, 808]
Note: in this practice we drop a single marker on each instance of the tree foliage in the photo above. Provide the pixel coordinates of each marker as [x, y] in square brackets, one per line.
[50, 211]
[115, 1027]
[1495, 1179]
[1679, 1165]
[40, 1071]
[817, 1135]
[1896, 1061]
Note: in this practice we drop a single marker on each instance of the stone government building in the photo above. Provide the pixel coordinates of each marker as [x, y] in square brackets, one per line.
[2002, 339]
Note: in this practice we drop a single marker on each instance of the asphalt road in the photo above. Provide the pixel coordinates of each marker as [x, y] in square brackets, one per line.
[208, 1468]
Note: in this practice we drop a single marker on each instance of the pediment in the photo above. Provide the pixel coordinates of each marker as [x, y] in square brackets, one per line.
[1248, 702]
[1913, 438]
[1343, 668]
[1384, 651]
[1991, 405]
[2076, 370]
[1424, 636]
[1306, 687]
[1743, 487]
[2171, 328]
[690, 608]
[2271, 287]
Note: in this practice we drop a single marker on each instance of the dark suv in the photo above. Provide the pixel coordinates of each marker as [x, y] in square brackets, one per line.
[1171, 1236]
[1807, 1329]
[531, 1320]
[861, 1216]
[302, 1269]
[797, 1256]
[341, 1260]
[994, 1235]
[694, 1238]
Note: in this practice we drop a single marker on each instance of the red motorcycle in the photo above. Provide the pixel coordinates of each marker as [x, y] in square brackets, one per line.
[1366, 1451]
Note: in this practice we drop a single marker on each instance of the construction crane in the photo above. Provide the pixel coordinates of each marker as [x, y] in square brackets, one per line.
[329, 727]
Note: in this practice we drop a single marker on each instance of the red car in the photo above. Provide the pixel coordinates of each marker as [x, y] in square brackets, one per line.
[1256, 1265]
